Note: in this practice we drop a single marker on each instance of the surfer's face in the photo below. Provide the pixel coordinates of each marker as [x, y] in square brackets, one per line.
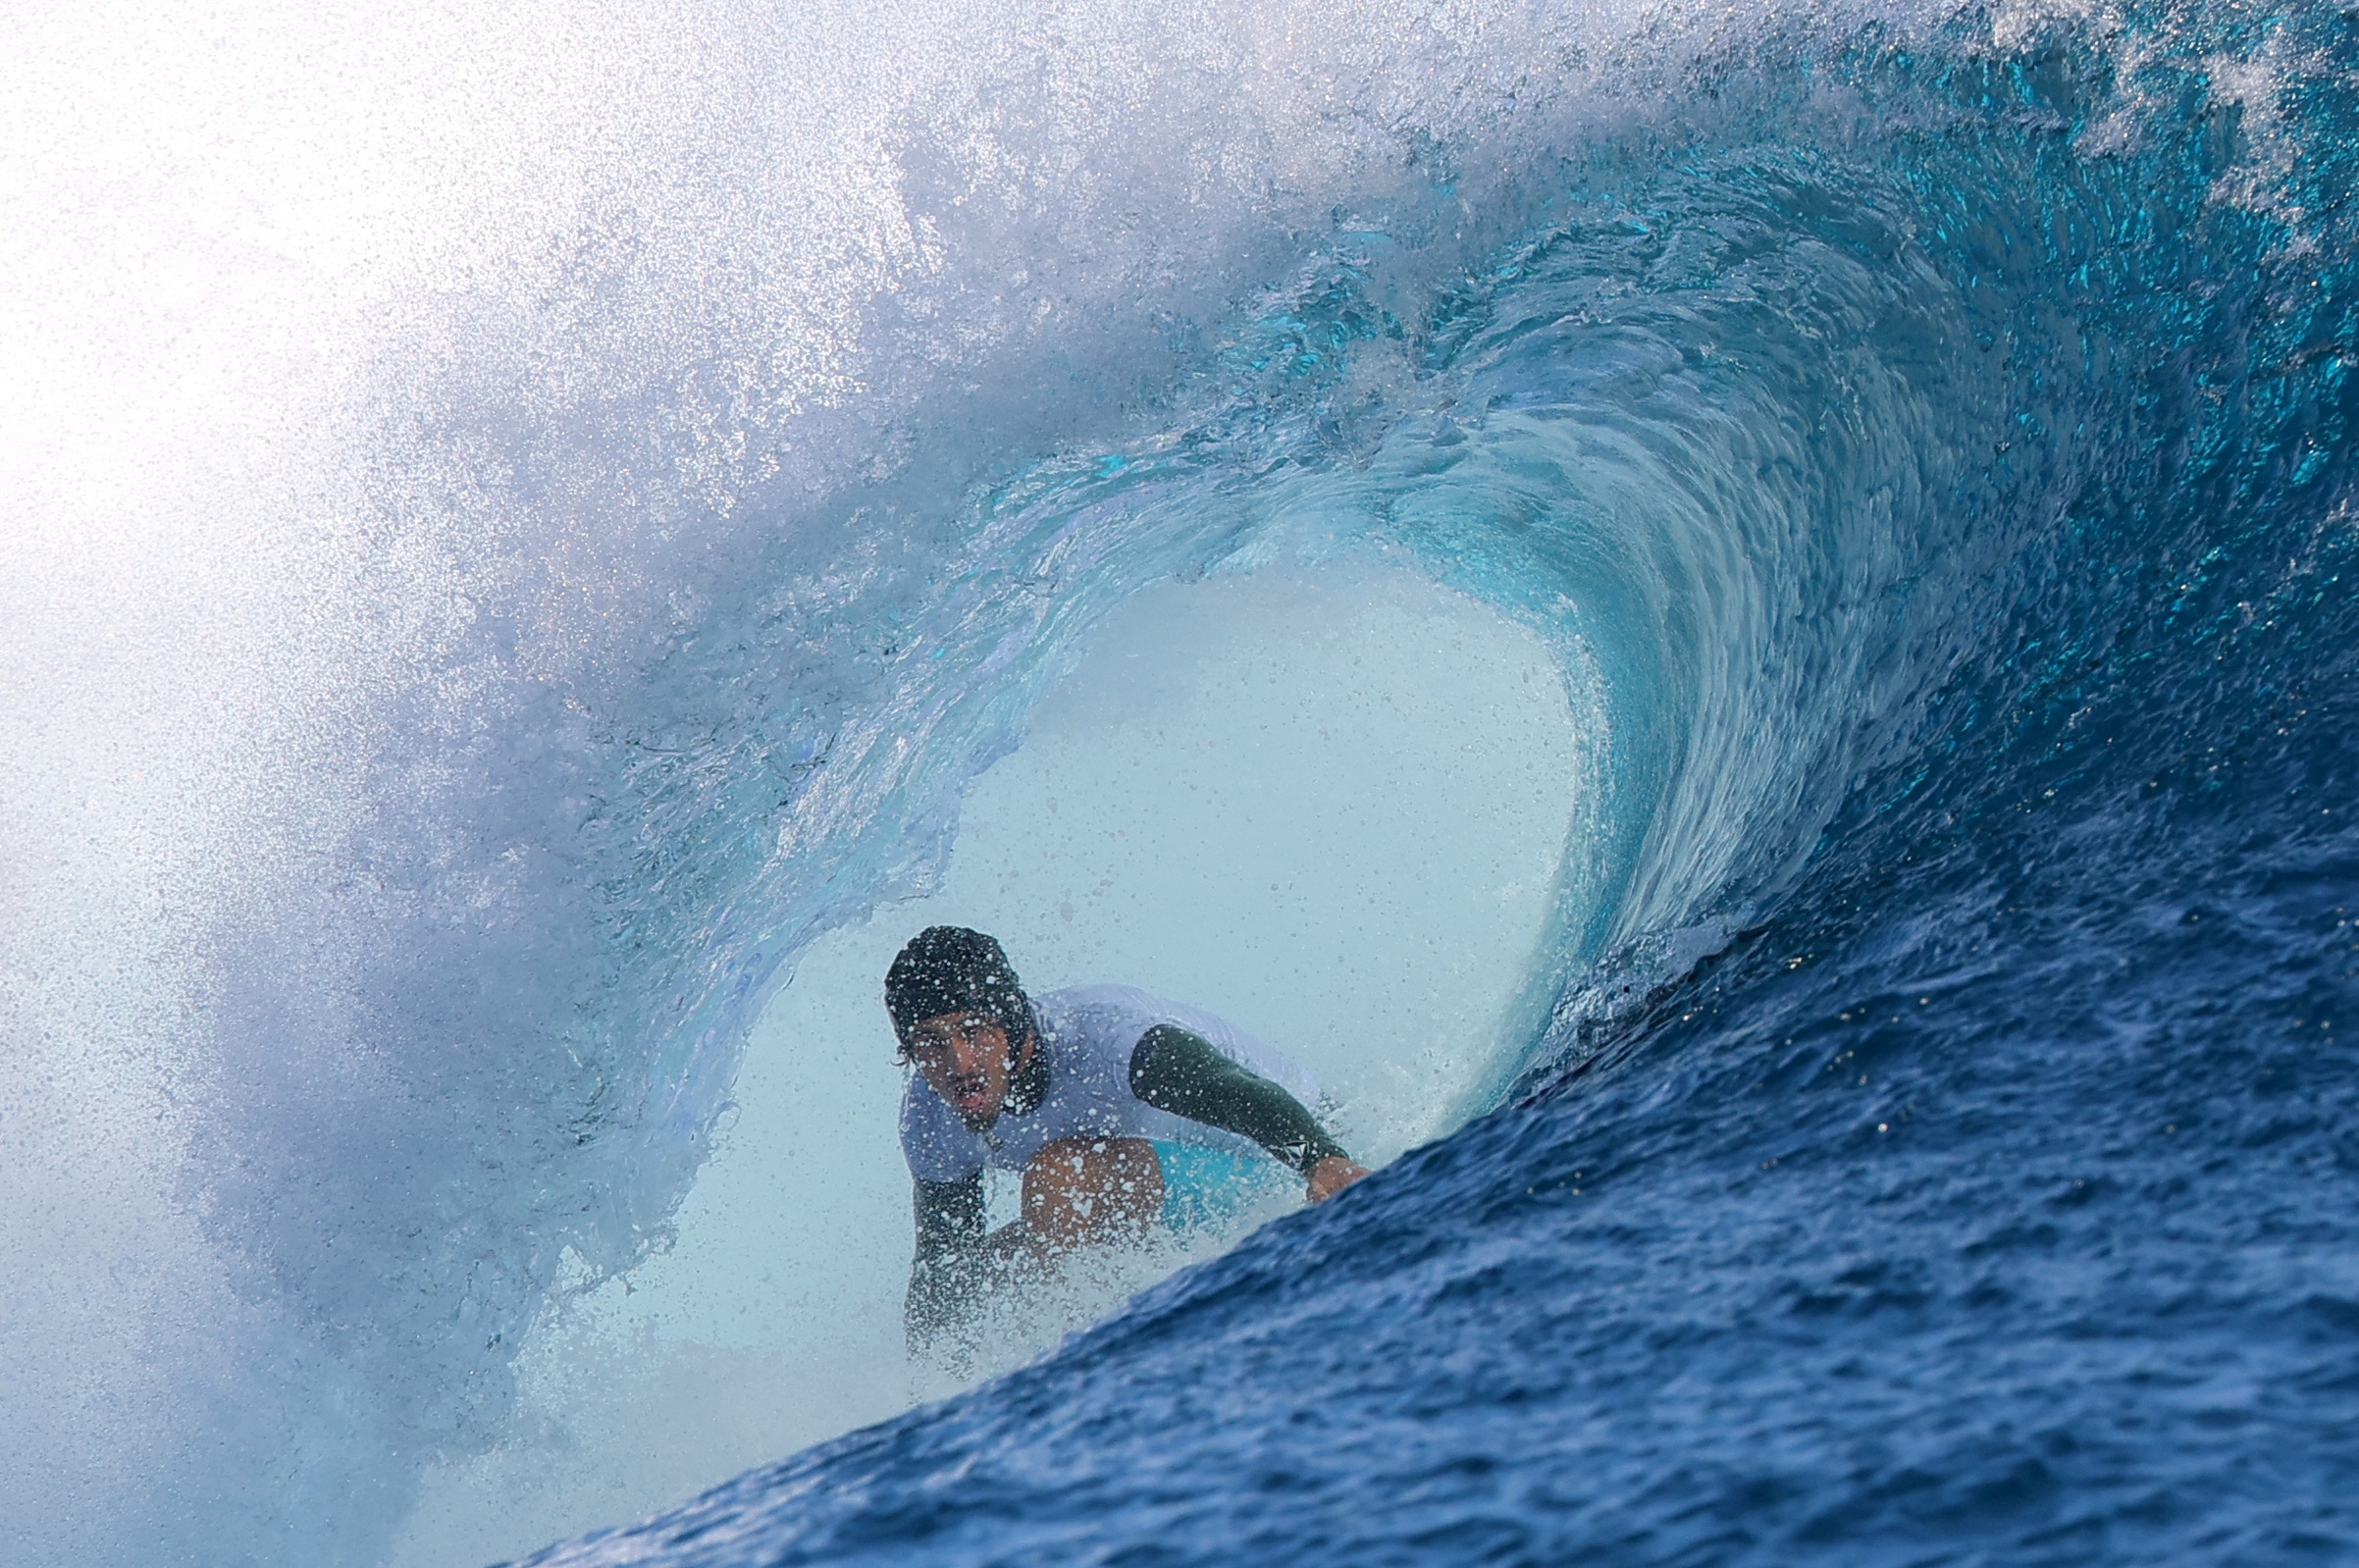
[965, 1057]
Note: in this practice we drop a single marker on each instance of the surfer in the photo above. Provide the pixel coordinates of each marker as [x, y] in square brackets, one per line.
[1071, 1089]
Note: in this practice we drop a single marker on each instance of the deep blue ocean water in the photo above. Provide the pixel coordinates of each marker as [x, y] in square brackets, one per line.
[1939, 1143]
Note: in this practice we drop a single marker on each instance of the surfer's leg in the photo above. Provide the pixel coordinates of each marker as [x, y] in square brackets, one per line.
[1080, 1191]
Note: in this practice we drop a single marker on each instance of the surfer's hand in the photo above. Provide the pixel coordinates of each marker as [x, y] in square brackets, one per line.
[1332, 1176]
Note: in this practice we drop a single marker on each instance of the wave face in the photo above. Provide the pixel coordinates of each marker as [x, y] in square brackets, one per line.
[1923, 435]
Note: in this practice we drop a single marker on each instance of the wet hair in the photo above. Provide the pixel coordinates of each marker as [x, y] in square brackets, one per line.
[948, 968]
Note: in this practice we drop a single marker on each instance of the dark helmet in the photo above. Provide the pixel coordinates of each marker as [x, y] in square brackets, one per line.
[948, 968]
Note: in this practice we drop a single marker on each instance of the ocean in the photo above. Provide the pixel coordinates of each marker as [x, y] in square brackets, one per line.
[467, 675]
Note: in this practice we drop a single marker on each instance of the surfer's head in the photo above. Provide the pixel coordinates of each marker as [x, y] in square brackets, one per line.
[961, 1018]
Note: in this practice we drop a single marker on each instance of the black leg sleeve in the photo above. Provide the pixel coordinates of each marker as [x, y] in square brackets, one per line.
[1175, 1070]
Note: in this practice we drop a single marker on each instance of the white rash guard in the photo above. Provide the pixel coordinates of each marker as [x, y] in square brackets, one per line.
[1087, 1034]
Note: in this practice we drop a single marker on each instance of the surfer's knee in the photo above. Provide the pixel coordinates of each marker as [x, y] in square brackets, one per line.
[1079, 1191]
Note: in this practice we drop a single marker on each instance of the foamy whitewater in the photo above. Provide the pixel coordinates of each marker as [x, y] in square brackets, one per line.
[1728, 616]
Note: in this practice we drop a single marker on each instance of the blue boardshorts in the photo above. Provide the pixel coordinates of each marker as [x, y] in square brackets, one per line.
[1210, 1188]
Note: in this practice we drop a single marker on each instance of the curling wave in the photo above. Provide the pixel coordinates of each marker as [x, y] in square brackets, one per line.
[1919, 432]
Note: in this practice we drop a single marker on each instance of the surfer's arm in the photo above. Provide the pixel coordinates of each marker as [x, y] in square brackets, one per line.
[945, 1273]
[1185, 1073]
[959, 1256]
